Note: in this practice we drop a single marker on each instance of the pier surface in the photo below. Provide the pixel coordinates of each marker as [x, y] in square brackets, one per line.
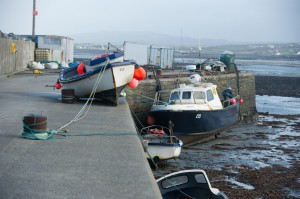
[102, 157]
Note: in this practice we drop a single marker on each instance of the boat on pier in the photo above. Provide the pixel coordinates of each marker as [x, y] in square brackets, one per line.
[104, 78]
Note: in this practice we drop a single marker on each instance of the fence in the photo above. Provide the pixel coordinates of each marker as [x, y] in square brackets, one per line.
[15, 55]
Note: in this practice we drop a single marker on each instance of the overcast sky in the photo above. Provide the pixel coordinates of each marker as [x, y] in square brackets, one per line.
[234, 20]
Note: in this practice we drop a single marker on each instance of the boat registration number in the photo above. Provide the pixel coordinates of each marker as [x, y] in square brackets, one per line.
[198, 116]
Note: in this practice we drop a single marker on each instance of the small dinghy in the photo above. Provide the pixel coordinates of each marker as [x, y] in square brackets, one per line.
[188, 184]
[159, 143]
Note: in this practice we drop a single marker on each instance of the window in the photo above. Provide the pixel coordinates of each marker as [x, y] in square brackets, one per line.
[186, 95]
[199, 95]
[175, 95]
[175, 181]
[210, 95]
[200, 178]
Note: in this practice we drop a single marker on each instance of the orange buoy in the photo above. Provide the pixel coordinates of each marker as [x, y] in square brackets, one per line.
[81, 69]
[133, 83]
[139, 73]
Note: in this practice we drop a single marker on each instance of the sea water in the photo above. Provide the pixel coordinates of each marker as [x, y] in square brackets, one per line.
[276, 70]
[278, 105]
[275, 104]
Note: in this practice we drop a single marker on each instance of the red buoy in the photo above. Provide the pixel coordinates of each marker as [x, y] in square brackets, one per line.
[139, 73]
[81, 69]
[241, 100]
[232, 101]
[150, 120]
[133, 83]
[58, 85]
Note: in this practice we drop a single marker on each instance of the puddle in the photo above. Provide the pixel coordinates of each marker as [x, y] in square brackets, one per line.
[237, 184]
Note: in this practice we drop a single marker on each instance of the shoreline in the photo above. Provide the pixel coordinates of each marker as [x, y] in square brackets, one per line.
[258, 160]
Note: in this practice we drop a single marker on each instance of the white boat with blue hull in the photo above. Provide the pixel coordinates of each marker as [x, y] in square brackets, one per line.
[105, 77]
[195, 110]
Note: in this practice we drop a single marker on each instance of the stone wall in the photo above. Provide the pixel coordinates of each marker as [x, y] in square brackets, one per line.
[12, 62]
[278, 86]
[140, 99]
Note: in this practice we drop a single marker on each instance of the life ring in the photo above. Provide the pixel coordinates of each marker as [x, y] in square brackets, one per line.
[157, 131]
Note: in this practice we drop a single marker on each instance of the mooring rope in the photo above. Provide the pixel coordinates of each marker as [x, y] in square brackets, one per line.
[49, 134]
[86, 107]
[146, 97]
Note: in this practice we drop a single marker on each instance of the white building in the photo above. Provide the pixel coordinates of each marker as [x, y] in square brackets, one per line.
[149, 54]
[54, 48]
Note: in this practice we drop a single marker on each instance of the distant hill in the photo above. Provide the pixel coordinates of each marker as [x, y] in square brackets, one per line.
[118, 38]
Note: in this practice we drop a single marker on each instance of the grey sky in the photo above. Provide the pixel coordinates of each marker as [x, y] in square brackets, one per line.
[235, 20]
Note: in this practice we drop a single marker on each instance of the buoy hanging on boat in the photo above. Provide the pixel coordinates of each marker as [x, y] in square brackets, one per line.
[241, 100]
[133, 83]
[150, 120]
[58, 85]
[232, 101]
[81, 69]
[139, 73]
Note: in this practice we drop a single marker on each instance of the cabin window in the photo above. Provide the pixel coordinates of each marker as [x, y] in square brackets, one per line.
[186, 95]
[175, 181]
[210, 95]
[199, 95]
[175, 95]
[200, 178]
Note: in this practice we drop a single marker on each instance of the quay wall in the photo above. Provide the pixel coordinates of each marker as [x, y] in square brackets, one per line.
[18, 60]
[140, 98]
[277, 86]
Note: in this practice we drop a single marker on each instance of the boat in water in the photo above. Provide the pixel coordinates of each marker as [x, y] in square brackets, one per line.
[104, 78]
[159, 143]
[196, 111]
[188, 184]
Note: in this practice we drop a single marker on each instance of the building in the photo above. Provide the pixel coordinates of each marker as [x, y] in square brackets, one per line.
[54, 48]
[145, 54]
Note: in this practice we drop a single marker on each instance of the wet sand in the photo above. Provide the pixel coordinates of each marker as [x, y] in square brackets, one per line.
[259, 160]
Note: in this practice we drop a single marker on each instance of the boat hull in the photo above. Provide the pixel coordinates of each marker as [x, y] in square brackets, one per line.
[163, 151]
[113, 80]
[192, 125]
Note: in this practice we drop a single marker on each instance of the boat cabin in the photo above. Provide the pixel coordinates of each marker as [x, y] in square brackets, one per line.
[204, 94]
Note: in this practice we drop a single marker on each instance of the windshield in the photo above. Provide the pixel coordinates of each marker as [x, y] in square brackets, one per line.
[175, 95]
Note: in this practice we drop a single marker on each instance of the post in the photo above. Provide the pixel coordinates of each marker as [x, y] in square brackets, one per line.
[33, 20]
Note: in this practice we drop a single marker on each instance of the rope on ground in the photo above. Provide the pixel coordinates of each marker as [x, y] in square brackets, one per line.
[48, 134]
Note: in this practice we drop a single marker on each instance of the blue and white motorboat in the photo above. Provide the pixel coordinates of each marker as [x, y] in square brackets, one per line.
[196, 111]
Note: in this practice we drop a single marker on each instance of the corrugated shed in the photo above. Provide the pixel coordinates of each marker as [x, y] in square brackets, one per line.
[149, 54]
[62, 48]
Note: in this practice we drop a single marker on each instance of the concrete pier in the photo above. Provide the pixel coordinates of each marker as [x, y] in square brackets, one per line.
[103, 160]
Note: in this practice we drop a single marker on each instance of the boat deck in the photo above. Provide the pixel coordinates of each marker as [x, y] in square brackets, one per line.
[102, 157]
